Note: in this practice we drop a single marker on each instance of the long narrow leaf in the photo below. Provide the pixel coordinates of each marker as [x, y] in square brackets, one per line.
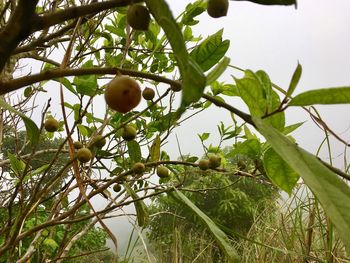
[332, 192]
[221, 238]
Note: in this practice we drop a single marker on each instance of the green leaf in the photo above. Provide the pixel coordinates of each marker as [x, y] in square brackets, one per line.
[330, 190]
[220, 237]
[33, 132]
[193, 10]
[40, 169]
[134, 151]
[295, 80]
[17, 165]
[209, 52]
[155, 149]
[279, 172]
[292, 128]
[65, 82]
[339, 95]
[50, 243]
[193, 79]
[216, 72]
[86, 85]
[140, 207]
[250, 148]
[204, 136]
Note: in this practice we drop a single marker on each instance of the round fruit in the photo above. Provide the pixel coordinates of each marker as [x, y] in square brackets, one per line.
[84, 155]
[99, 141]
[203, 164]
[129, 133]
[217, 8]
[77, 145]
[214, 161]
[138, 17]
[123, 94]
[138, 168]
[148, 94]
[51, 125]
[117, 188]
[162, 171]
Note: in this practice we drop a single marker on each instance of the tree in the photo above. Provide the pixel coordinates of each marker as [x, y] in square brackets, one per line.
[77, 47]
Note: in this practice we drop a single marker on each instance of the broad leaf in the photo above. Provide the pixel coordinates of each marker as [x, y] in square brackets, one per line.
[339, 95]
[193, 79]
[140, 207]
[155, 150]
[134, 151]
[295, 80]
[331, 191]
[33, 132]
[250, 148]
[220, 237]
[17, 165]
[216, 72]
[192, 10]
[209, 52]
[279, 172]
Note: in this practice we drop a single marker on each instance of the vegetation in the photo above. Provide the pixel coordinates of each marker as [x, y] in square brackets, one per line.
[94, 62]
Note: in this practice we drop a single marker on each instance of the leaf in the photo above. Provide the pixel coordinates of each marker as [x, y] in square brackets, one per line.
[295, 80]
[330, 190]
[251, 148]
[50, 243]
[134, 151]
[86, 85]
[40, 169]
[193, 79]
[340, 95]
[279, 172]
[220, 237]
[17, 165]
[216, 72]
[33, 132]
[140, 207]
[193, 10]
[204, 136]
[209, 52]
[155, 149]
[65, 82]
[292, 128]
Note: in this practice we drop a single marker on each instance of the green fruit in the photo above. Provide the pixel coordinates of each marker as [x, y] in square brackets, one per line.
[84, 155]
[148, 94]
[203, 164]
[51, 125]
[214, 161]
[217, 8]
[138, 17]
[99, 141]
[123, 94]
[117, 188]
[138, 168]
[78, 145]
[129, 133]
[162, 171]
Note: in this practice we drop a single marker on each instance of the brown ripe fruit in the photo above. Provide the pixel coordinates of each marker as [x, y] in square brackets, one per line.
[99, 141]
[214, 161]
[138, 17]
[217, 8]
[51, 125]
[148, 94]
[203, 164]
[123, 94]
[78, 145]
[138, 168]
[162, 171]
[117, 188]
[129, 133]
[84, 155]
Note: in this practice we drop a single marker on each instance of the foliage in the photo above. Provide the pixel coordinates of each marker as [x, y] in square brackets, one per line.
[47, 200]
